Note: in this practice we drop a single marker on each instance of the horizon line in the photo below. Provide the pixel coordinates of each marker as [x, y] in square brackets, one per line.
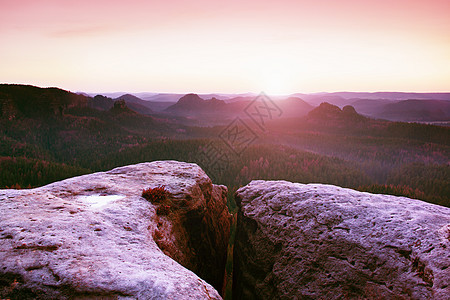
[228, 93]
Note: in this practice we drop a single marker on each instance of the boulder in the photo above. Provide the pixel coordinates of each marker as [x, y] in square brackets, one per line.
[94, 236]
[315, 241]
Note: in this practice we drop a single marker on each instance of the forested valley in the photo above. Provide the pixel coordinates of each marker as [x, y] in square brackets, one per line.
[45, 137]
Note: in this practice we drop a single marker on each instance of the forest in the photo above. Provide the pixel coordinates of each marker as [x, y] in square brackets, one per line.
[404, 159]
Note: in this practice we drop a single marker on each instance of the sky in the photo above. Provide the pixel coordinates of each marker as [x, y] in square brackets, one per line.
[206, 46]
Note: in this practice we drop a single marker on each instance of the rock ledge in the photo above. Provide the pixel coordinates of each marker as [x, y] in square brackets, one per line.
[93, 236]
[314, 241]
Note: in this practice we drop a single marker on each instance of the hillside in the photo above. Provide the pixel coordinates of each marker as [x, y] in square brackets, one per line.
[394, 96]
[316, 99]
[192, 105]
[369, 107]
[18, 101]
[57, 127]
[136, 104]
[416, 110]
[326, 145]
[391, 96]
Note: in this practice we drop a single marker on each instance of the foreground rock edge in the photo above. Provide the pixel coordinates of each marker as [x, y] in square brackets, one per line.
[311, 241]
[93, 236]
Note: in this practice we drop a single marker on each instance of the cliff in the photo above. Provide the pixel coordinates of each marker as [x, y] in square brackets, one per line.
[94, 236]
[314, 241]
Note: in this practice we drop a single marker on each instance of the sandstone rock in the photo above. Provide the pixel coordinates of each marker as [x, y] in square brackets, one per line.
[94, 236]
[314, 241]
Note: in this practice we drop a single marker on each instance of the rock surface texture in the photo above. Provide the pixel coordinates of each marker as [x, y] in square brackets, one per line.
[95, 237]
[314, 241]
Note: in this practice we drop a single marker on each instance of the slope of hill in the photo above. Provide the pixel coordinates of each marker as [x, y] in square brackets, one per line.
[369, 107]
[406, 158]
[130, 99]
[316, 99]
[57, 126]
[416, 110]
[164, 97]
[136, 104]
[147, 107]
[193, 105]
[158, 106]
[30, 101]
[395, 95]
[294, 107]
[349, 98]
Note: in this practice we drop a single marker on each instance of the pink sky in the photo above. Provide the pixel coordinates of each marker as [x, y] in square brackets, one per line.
[227, 46]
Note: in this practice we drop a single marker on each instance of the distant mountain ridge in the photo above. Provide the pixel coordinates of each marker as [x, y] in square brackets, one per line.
[34, 106]
[393, 96]
[41, 125]
[411, 110]
[34, 101]
[394, 106]
[369, 107]
[192, 105]
[423, 109]
[417, 110]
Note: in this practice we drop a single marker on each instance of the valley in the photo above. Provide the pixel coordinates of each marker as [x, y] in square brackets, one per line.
[51, 134]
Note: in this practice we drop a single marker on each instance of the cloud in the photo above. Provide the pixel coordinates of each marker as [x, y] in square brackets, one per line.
[86, 31]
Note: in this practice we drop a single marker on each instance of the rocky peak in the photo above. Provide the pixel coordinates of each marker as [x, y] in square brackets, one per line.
[349, 110]
[192, 104]
[120, 105]
[325, 112]
[129, 97]
[95, 236]
[191, 99]
[315, 241]
[216, 101]
[101, 102]
[328, 113]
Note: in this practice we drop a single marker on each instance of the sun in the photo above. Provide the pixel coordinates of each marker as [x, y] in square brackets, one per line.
[276, 87]
[278, 80]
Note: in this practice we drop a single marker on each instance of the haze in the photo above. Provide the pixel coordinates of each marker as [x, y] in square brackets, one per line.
[279, 47]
